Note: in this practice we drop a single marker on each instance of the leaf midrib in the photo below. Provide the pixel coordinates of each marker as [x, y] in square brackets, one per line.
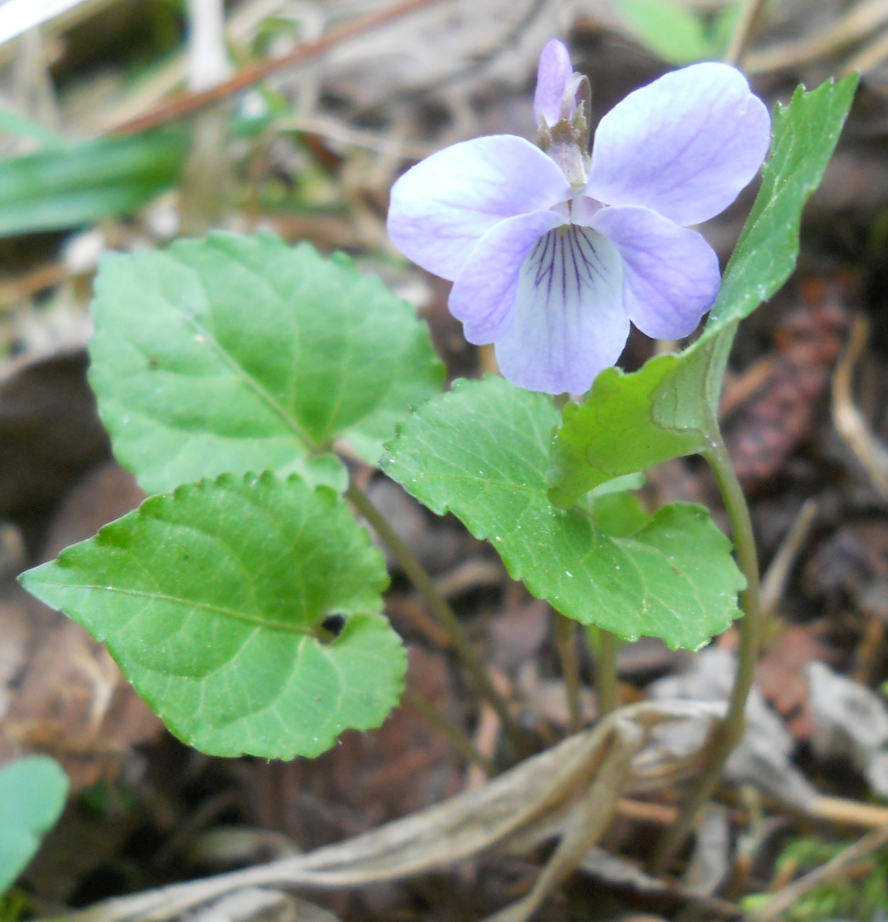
[204, 606]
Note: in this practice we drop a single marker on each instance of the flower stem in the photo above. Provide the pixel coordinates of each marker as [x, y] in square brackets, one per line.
[439, 608]
[566, 639]
[456, 736]
[731, 729]
[606, 683]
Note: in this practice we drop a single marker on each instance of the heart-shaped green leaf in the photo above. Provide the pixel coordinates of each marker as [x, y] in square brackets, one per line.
[481, 452]
[244, 610]
[235, 354]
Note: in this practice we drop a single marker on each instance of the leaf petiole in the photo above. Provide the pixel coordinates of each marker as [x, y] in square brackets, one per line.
[566, 641]
[606, 682]
[439, 608]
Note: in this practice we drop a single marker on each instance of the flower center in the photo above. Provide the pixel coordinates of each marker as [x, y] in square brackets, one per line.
[568, 259]
[578, 210]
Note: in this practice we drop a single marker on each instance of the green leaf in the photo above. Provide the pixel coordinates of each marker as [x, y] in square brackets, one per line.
[481, 452]
[632, 422]
[668, 408]
[33, 790]
[14, 124]
[244, 611]
[805, 135]
[231, 354]
[634, 481]
[619, 514]
[80, 183]
[671, 31]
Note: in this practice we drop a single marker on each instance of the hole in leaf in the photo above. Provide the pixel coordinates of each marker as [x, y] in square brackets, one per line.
[333, 625]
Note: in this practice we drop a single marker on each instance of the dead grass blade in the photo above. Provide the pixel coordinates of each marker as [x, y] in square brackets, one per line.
[590, 768]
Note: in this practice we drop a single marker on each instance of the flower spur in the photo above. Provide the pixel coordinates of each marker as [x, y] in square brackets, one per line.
[552, 252]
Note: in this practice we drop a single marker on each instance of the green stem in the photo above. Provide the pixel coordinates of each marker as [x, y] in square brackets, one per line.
[439, 608]
[566, 639]
[456, 736]
[606, 681]
[730, 730]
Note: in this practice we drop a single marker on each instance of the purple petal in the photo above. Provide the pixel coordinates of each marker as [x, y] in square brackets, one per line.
[684, 146]
[569, 321]
[552, 76]
[443, 206]
[670, 273]
[483, 297]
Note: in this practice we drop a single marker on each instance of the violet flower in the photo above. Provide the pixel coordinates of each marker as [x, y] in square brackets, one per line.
[553, 253]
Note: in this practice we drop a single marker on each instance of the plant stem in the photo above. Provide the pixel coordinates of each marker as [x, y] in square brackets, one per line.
[456, 736]
[731, 729]
[606, 682]
[566, 639]
[440, 610]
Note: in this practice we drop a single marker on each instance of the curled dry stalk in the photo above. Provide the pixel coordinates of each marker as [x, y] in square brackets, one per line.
[571, 789]
[588, 822]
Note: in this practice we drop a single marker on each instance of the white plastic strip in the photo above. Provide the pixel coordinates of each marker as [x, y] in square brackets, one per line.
[17, 16]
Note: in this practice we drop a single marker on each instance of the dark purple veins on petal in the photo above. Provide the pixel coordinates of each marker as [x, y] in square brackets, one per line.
[566, 252]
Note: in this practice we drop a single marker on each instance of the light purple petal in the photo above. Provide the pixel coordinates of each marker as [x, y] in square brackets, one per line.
[583, 209]
[443, 206]
[569, 321]
[552, 76]
[483, 297]
[684, 146]
[670, 273]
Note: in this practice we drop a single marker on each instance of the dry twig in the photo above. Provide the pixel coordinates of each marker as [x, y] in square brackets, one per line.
[774, 580]
[849, 421]
[747, 23]
[832, 870]
[189, 103]
[858, 23]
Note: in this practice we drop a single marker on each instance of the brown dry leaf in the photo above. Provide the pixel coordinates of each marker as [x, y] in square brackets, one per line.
[781, 412]
[74, 705]
[546, 699]
[853, 560]
[49, 435]
[368, 778]
[67, 697]
[517, 634]
[781, 678]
